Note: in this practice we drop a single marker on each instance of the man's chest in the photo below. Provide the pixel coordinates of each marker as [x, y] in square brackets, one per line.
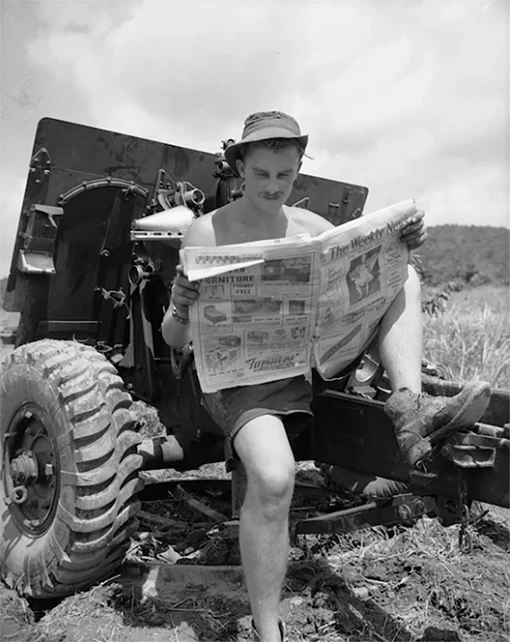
[238, 232]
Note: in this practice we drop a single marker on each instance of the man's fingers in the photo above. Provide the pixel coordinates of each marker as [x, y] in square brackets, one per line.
[186, 293]
[414, 224]
[412, 229]
[415, 234]
[417, 217]
[184, 297]
[183, 292]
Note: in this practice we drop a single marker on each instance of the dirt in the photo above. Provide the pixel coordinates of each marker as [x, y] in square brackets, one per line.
[399, 585]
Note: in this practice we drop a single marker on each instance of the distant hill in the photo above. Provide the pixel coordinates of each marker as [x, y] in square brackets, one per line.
[468, 255]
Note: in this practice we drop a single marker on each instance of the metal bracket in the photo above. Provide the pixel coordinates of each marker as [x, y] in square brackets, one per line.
[117, 297]
[40, 166]
[169, 193]
[130, 188]
[303, 203]
[36, 255]
[472, 450]
[396, 510]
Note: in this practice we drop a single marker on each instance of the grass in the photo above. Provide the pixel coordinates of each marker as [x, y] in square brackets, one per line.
[471, 338]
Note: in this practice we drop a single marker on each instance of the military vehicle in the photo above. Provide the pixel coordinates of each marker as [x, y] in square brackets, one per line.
[97, 245]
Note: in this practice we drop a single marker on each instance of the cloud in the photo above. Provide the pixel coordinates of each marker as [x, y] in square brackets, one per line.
[408, 98]
[11, 197]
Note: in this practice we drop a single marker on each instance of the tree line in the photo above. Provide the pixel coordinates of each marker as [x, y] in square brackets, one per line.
[466, 255]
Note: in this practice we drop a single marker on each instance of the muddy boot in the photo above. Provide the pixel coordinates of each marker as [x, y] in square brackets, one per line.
[419, 419]
[281, 626]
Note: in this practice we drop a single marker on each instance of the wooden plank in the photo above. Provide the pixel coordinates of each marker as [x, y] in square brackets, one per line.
[160, 520]
[201, 508]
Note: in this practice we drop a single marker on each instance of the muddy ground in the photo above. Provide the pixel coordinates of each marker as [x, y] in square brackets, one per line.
[393, 585]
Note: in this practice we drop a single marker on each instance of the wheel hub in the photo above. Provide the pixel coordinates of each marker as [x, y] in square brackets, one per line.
[24, 469]
[31, 462]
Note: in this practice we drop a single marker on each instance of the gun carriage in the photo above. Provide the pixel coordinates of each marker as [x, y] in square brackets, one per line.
[100, 227]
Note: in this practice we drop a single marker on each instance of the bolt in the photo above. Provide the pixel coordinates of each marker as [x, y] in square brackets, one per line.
[49, 470]
[28, 414]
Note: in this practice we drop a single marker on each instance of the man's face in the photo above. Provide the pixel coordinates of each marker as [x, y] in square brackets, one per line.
[269, 176]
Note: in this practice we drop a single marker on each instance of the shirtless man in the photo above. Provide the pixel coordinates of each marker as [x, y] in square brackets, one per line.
[255, 418]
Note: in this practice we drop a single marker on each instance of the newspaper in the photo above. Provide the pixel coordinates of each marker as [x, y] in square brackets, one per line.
[274, 309]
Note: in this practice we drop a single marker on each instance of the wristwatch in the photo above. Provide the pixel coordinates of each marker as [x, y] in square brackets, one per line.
[178, 317]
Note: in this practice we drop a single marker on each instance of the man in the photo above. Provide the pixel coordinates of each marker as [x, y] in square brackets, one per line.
[255, 418]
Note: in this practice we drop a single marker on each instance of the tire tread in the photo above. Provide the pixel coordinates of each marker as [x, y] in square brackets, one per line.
[92, 527]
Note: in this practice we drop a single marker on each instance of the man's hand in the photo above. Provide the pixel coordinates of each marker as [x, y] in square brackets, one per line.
[183, 292]
[415, 231]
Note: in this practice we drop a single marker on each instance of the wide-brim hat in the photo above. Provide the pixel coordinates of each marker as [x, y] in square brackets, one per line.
[264, 125]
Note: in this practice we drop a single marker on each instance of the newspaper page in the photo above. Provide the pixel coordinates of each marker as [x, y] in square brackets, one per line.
[363, 265]
[270, 310]
[254, 319]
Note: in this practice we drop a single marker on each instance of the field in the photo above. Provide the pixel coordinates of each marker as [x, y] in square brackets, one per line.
[471, 338]
[406, 584]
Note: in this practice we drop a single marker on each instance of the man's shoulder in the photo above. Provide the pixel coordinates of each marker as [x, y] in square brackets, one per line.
[312, 222]
[201, 231]
[204, 229]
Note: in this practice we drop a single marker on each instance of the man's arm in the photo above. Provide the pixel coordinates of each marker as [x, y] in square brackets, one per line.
[184, 293]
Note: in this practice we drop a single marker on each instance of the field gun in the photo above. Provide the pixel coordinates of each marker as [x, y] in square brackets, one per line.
[100, 227]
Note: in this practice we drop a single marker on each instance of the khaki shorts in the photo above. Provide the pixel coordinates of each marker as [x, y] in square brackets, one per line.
[233, 408]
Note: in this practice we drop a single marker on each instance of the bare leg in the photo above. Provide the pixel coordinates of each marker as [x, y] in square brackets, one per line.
[264, 449]
[400, 337]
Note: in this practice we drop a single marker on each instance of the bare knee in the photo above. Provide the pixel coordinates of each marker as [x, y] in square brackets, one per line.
[272, 489]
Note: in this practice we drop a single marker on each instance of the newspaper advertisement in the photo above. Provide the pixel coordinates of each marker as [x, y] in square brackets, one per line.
[253, 323]
[274, 309]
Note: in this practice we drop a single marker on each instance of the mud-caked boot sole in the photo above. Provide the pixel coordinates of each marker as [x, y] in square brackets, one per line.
[473, 399]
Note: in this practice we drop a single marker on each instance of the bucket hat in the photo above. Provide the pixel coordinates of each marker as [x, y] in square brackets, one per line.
[264, 125]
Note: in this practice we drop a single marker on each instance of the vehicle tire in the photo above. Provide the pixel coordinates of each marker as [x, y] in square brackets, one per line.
[70, 469]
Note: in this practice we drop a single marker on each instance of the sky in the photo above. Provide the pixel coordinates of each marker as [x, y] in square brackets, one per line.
[409, 98]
